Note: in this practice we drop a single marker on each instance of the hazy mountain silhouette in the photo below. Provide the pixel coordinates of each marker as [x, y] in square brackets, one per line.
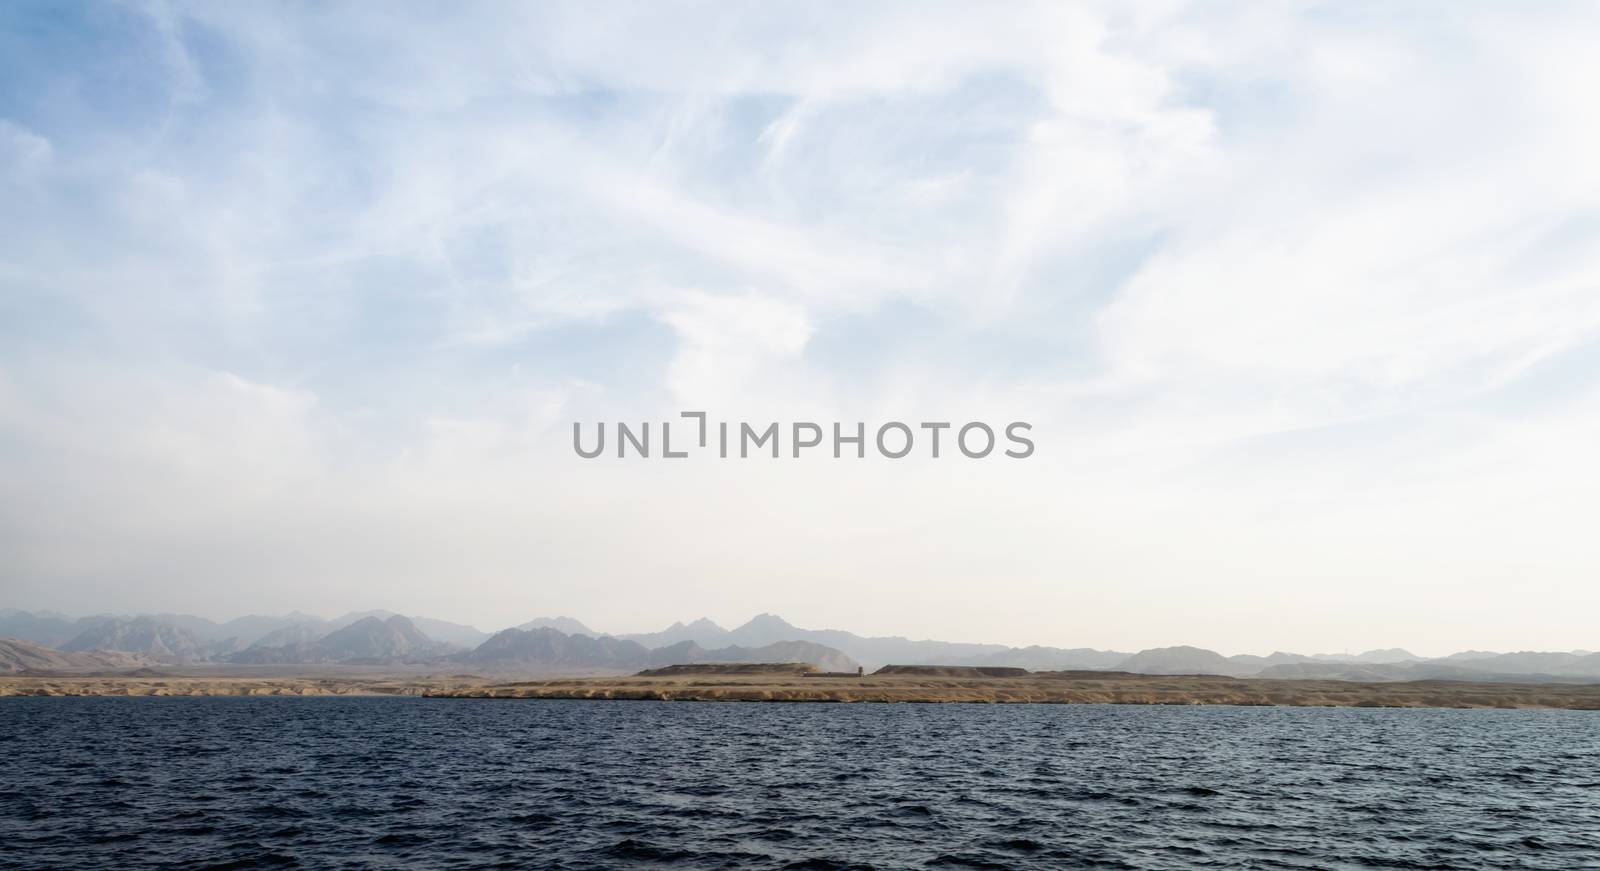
[367, 640]
[143, 635]
[566, 625]
[251, 628]
[1528, 668]
[551, 648]
[1181, 660]
[1251, 662]
[372, 638]
[1037, 658]
[1546, 663]
[48, 629]
[54, 630]
[1468, 655]
[1392, 654]
[764, 629]
[702, 631]
[546, 649]
[294, 634]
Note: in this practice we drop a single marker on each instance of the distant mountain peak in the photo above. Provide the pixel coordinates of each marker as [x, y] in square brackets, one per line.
[1181, 659]
[1389, 654]
[565, 625]
[764, 621]
[403, 623]
[357, 616]
[372, 637]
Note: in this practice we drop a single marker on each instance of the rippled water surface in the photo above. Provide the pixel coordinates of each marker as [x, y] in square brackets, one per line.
[390, 782]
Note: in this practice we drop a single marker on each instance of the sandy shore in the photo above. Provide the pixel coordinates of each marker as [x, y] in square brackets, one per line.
[1044, 687]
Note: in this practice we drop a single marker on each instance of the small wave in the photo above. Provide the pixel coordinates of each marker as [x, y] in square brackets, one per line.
[959, 860]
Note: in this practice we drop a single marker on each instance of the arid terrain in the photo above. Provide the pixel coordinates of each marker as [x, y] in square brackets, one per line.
[155, 684]
[800, 684]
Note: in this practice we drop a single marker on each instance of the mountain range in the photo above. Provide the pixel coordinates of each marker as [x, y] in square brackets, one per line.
[45, 640]
[372, 638]
[544, 647]
[52, 629]
[868, 650]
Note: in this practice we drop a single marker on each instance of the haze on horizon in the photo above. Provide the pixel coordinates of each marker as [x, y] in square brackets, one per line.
[298, 306]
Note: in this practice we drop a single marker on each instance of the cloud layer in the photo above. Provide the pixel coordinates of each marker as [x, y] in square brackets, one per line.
[297, 307]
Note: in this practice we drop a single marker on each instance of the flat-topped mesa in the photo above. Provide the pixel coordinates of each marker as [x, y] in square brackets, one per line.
[796, 668]
[955, 670]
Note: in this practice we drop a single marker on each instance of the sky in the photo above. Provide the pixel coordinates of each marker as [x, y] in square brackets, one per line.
[299, 303]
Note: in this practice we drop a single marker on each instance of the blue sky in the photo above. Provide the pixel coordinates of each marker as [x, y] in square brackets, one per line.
[298, 303]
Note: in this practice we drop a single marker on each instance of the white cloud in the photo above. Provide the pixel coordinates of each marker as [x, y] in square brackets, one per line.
[734, 350]
[23, 153]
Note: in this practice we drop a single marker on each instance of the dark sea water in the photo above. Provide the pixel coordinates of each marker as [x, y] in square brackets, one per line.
[417, 783]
